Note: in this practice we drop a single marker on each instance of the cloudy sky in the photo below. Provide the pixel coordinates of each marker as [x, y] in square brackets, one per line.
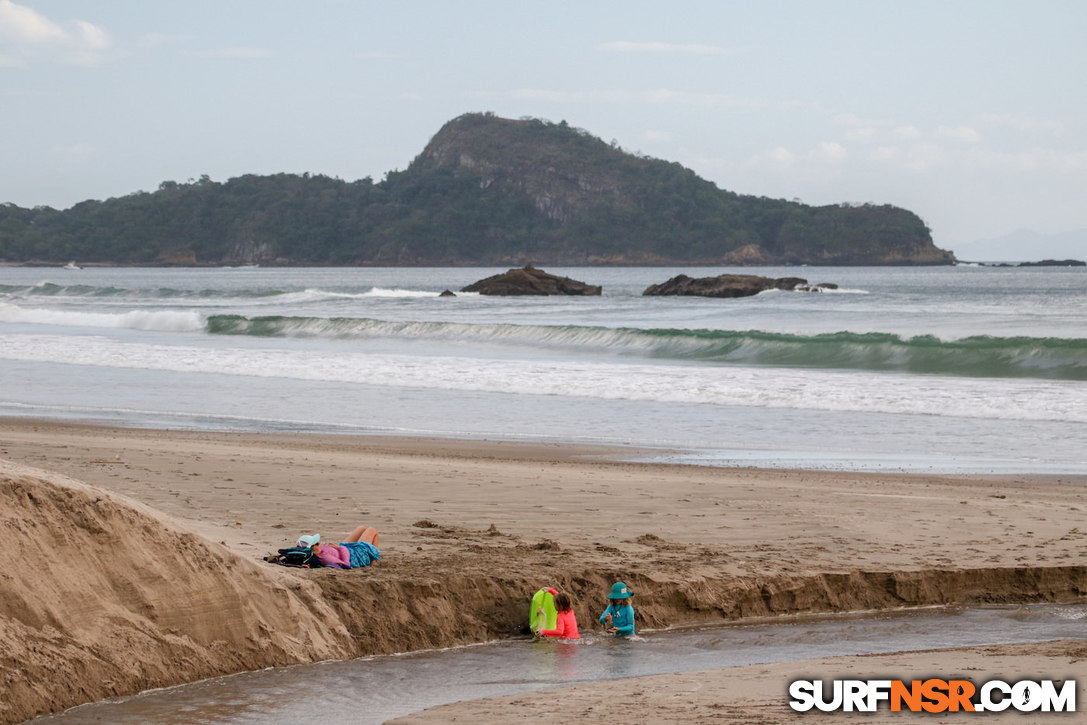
[972, 113]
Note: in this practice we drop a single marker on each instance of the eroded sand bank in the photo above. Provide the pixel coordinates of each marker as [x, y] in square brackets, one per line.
[114, 603]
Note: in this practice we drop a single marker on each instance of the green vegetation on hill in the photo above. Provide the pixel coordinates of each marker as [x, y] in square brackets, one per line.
[485, 190]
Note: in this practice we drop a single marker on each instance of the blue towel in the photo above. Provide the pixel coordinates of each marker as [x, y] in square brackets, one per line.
[362, 552]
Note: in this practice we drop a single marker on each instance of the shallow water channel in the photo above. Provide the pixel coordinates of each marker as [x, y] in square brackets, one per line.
[374, 689]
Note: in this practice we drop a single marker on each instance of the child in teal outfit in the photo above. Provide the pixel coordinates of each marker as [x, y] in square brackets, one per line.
[619, 616]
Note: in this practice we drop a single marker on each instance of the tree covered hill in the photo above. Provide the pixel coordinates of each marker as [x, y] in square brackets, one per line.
[484, 191]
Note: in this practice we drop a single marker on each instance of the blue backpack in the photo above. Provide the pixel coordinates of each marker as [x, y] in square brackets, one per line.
[296, 556]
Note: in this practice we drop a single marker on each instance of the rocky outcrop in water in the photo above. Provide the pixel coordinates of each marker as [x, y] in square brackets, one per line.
[731, 285]
[531, 281]
[1055, 263]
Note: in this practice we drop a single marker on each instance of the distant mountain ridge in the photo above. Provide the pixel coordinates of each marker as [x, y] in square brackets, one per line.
[484, 191]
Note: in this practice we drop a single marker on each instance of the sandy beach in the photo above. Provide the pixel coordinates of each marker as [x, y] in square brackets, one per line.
[470, 529]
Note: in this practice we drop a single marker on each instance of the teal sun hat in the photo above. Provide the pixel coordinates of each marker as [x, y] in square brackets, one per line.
[308, 541]
[619, 590]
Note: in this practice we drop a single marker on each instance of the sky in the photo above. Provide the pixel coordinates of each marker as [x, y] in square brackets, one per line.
[971, 113]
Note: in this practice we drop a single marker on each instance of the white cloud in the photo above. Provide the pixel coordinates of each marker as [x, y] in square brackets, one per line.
[824, 155]
[977, 158]
[623, 46]
[885, 154]
[91, 36]
[781, 155]
[790, 171]
[914, 158]
[885, 149]
[24, 25]
[835, 160]
[859, 129]
[907, 133]
[861, 134]
[924, 156]
[831, 151]
[31, 37]
[964, 134]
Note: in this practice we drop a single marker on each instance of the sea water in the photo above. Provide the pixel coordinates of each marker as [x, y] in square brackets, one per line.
[936, 369]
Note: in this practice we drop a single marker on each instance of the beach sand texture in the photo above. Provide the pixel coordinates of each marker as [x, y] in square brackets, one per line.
[144, 552]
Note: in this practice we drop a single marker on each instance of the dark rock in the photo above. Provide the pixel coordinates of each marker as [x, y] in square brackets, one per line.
[1055, 263]
[530, 281]
[729, 285]
[448, 293]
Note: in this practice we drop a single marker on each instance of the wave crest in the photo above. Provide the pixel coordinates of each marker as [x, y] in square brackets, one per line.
[979, 356]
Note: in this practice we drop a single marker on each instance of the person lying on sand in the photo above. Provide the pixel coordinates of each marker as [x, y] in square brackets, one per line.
[360, 548]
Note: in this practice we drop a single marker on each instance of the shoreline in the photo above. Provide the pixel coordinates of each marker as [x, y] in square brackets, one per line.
[522, 447]
[471, 528]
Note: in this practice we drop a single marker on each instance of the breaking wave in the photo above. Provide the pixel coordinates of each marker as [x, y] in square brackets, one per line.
[978, 356]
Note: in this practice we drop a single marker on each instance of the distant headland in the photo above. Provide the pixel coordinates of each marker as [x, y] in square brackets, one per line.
[484, 191]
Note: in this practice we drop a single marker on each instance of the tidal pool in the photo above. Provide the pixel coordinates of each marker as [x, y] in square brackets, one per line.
[375, 689]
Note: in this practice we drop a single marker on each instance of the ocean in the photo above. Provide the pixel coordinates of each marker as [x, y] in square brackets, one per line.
[963, 369]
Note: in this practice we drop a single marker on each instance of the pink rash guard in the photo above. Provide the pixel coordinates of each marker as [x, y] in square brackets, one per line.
[334, 556]
[565, 626]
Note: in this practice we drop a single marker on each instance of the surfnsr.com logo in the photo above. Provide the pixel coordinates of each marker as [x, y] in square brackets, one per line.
[933, 695]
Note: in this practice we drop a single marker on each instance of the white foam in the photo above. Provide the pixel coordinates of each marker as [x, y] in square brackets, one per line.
[313, 294]
[702, 385]
[843, 291]
[147, 320]
[384, 292]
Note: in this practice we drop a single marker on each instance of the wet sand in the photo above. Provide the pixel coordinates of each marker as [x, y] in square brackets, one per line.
[474, 527]
[757, 694]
